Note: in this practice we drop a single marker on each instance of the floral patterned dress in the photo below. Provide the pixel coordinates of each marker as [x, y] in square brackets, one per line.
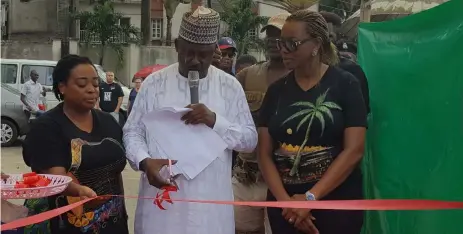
[94, 159]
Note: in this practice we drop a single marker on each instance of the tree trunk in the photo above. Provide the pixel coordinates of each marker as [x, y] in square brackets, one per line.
[102, 51]
[169, 31]
[146, 22]
[297, 161]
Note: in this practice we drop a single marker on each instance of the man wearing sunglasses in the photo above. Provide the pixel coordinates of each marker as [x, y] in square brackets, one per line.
[248, 184]
[228, 52]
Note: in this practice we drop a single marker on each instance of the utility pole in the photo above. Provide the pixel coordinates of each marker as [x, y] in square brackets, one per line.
[65, 24]
[146, 22]
[365, 11]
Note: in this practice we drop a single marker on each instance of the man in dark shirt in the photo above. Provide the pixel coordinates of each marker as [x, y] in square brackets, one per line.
[111, 96]
[244, 61]
[354, 69]
[346, 64]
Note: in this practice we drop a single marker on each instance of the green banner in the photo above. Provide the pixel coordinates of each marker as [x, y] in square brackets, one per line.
[415, 137]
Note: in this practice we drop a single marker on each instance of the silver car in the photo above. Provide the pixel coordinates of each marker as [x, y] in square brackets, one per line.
[14, 121]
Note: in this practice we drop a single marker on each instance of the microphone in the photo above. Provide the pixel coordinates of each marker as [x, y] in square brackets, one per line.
[193, 82]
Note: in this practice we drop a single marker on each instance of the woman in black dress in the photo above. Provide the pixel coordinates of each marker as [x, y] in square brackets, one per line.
[77, 140]
[311, 132]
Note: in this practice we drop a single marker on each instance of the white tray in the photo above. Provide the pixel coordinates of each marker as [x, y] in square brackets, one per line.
[58, 184]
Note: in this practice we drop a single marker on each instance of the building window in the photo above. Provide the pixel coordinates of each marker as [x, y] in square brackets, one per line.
[156, 27]
[124, 21]
[253, 33]
[9, 73]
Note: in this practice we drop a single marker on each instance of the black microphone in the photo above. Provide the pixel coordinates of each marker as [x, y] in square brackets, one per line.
[193, 82]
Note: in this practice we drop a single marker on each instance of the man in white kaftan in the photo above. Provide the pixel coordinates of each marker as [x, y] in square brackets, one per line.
[220, 94]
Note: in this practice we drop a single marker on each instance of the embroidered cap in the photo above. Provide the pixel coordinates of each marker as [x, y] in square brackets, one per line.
[201, 26]
[276, 21]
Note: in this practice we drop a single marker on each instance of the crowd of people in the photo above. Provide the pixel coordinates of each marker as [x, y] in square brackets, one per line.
[294, 127]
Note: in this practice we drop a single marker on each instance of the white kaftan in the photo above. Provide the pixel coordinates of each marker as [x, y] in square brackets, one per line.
[221, 93]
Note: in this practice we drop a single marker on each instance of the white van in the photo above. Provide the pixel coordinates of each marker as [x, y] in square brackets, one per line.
[14, 72]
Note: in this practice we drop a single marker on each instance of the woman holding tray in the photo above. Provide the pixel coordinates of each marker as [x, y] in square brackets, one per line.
[312, 132]
[77, 140]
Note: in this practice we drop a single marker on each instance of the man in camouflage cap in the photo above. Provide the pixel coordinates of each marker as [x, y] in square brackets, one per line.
[248, 185]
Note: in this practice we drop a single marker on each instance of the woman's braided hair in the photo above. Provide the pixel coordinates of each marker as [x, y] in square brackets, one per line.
[63, 70]
[317, 27]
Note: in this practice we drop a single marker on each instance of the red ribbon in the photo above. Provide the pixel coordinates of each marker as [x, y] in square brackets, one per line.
[164, 196]
[316, 205]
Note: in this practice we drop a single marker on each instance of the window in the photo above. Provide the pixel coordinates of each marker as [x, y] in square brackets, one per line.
[45, 74]
[253, 33]
[9, 73]
[82, 24]
[156, 27]
[125, 21]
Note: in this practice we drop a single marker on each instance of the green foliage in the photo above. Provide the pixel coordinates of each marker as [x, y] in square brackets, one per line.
[292, 5]
[102, 27]
[241, 18]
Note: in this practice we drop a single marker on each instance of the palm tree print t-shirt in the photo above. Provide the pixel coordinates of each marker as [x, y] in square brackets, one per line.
[307, 127]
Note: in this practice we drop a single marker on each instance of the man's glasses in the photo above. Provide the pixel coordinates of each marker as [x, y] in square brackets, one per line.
[228, 54]
[290, 45]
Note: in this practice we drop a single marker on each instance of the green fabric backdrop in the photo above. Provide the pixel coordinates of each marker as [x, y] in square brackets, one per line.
[415, 137]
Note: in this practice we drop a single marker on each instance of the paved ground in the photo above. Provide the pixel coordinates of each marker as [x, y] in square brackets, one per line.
[12, 162]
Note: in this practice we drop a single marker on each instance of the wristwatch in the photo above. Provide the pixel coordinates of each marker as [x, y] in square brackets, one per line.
[310, 196]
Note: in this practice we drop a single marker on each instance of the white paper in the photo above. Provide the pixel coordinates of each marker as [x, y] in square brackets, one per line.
[193, 146]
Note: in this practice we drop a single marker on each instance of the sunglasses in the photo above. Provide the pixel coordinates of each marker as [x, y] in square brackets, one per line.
[290, 45]
[229, 54]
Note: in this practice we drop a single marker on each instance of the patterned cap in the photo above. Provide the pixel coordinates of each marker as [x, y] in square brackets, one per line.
[201, 26]
[276, 21]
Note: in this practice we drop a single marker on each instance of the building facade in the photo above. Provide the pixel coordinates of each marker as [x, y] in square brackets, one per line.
[22, 20]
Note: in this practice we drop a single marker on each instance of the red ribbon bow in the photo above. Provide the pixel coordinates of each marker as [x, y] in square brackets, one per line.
[164, 195]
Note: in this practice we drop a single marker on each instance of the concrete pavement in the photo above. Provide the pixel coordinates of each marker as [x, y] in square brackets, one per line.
[12, 163]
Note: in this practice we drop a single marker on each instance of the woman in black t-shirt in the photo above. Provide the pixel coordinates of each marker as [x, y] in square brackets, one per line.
[77, 140]
[312, 132]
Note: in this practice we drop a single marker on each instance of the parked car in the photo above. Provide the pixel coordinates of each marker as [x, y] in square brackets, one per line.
[14, 122]
[15, 72]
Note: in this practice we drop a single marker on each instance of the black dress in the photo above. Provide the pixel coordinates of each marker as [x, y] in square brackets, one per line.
[311, 123]
[96, 159]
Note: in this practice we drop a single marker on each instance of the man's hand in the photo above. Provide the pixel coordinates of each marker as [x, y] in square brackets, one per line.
[217, 57]
[200, 114]
[151, 167]
[116, 111]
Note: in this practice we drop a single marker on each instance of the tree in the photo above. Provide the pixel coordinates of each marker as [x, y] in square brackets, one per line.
[343, 8]
[311, 112]
[171, 6]
[146, 21]
[102, 26]
[291, 5]
[241, 17]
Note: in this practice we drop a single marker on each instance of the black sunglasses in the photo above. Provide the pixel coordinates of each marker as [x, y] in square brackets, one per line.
[290, 45]
[230, 54]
